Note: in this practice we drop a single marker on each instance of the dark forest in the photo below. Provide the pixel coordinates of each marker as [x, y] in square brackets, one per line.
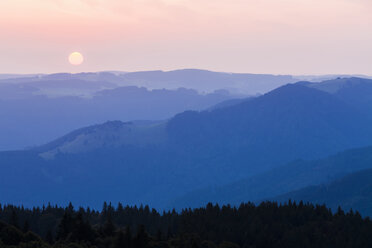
[266, 225]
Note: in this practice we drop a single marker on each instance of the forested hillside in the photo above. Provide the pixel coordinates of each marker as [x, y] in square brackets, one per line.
[266, 225]
[354, 191]
[290, 177]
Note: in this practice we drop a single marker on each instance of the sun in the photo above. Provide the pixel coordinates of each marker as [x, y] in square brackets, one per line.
[76, 58]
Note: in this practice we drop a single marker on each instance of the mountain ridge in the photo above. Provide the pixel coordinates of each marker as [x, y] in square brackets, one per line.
[287, 178]
[190, 151]
[353, 191]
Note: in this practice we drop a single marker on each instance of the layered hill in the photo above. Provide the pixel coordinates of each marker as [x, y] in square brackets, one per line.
[33, 119]
[208, 81]
[201, 80]
[279, 181]
[353, 191]
[39, 108]
[157, 162]
[354, 91]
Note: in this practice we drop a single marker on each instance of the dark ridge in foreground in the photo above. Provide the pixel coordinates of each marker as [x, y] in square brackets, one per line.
[265, 225]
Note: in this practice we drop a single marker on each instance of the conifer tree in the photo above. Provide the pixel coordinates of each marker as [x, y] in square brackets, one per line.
[26, 226]
[49, 237]
[109, 227]
[14, 218]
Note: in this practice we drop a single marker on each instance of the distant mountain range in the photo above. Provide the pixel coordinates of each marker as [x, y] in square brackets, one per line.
[36, 119]
[41, 107]
[86, 83]
[326, 77]
[159, 162]
[354, 91]
[208, 81]
[66, 84]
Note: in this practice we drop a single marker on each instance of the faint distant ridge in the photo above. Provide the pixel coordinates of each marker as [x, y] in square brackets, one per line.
[207, 81]
[11, 76]
[321, 78]
[355, 91]
[200, 80]
[341, 84]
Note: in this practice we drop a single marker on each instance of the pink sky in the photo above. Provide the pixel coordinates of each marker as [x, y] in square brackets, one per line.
[258, 36]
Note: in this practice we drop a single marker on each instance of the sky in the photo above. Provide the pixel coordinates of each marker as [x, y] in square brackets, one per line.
[257, 36]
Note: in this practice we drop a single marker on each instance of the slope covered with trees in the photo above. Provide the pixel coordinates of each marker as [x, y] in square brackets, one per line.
[266, 225]
[353, 191]
[287, 178]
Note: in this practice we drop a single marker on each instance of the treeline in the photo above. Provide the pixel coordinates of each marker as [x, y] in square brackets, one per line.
[248, 226]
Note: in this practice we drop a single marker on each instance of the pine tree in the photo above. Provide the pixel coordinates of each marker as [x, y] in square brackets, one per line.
[119, 241]
[49, 237]
[109, 227]
[159, 235]
[141, 239]
[128, 237]
[14, 219]
[26, 227]
[169, 233]
[65, 226]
